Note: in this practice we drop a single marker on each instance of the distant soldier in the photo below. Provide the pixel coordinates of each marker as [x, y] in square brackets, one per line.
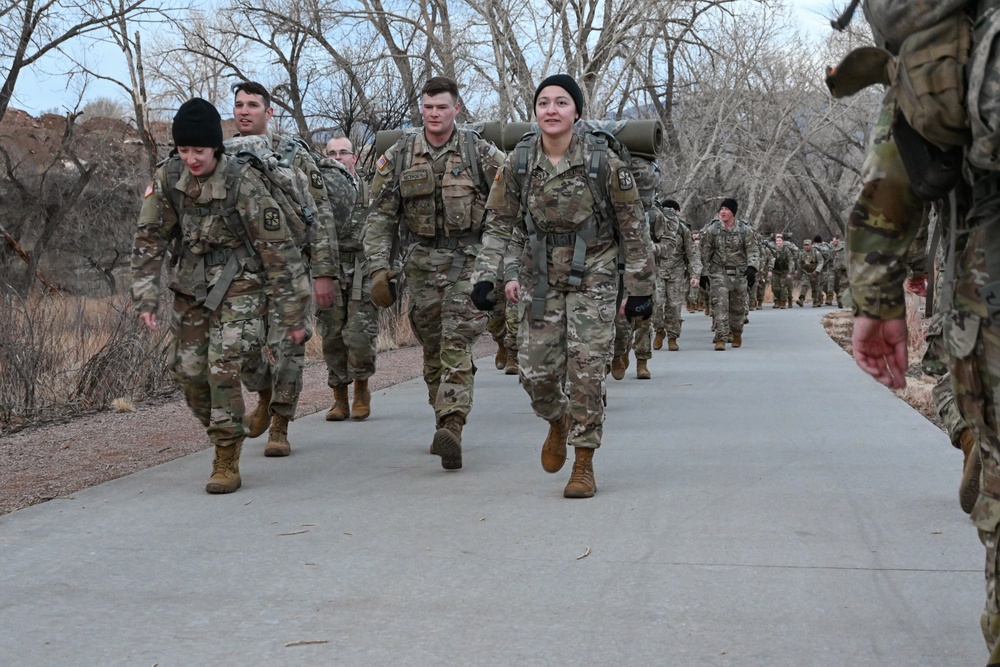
[784, 267]
[349, 327]
[729, 257]
[694, 294]
[838, 269]
[826, 275]
[236, 258]
[277, 379]
[678, 269]
[811, 266]
[764, 271]
[430, 189]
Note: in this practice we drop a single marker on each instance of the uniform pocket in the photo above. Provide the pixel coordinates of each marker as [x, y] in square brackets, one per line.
[960, 331]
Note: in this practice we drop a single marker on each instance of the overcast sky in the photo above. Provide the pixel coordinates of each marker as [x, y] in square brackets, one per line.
[45, 88]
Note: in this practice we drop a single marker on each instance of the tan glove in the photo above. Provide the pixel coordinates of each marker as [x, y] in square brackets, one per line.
[384, 288]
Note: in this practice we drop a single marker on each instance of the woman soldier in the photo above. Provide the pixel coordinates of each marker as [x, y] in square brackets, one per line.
[562, 227]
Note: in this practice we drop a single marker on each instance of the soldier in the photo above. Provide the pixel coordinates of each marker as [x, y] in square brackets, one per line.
[765, 270]
[811, 266]
[678, 269]
[441, 236]
[236, 259]
[568, 315]
[349, 327]
[277, 377]
[694, 294]
[729, 257]
[826, 275]
[838, 269]
[781, 274]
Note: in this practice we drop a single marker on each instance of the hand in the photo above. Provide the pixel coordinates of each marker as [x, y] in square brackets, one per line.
[694, 282]
[639, 306]
[325, 291]
[751, 275]
[512, 290]
[917, 285]
[705, 282]
[482, 295]
[880, 350]
[149, 319]
[384, 288]
[297, 336]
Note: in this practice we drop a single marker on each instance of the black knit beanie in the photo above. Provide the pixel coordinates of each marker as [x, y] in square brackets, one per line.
[730, 203]
[566, 82]
[197, 123]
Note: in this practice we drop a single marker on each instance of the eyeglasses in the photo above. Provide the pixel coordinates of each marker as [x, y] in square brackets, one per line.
[342, 153]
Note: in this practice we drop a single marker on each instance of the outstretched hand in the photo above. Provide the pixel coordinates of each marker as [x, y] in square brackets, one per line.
[880, 349]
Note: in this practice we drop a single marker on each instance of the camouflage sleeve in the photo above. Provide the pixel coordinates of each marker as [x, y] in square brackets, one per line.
[157, 222]
[640, 269]
[881, 226]
[286, 274]
[324, 254]
[382, 225]
[753, 250]
[916, 254]
[492, 158]
[691, 252]
[514, 256]
[707, 249]
[503, 215]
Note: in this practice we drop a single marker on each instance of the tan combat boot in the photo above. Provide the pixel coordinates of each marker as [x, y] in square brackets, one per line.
[720, 346]
[511, 368]
[340, 410]
[225, 469]
[447, 442]
[641, 372]
[362, 406]
[618, 366]
[277, 439]
[257, 422]
[672, 344]
[554, 447]
[500, 360]
[581, 480]
[737, 339]
[658, 340]
[968, 489]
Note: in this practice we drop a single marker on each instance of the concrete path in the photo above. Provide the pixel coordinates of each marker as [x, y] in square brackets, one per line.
[767, 506]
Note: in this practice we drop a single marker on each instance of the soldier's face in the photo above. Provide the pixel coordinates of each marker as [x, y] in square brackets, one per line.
[778, 241]
[199, 161]
[726, 215]
[439, 112]
[251, 114]
[836, 242]
[340, 150]
[555, 111]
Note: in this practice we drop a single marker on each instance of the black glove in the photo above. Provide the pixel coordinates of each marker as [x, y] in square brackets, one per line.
[639, 306]
[751, 275]
[482, 295]
[704, 282]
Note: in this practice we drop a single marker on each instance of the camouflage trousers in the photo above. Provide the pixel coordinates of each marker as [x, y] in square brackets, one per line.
[810, 281]
[729, 303]
[667, 314]
[781, 288]
[623, 336]
[209, 353]
[562, 358]
[279, 367]
[839, 284]
[761, 287]
[447, 324]
[349, 330]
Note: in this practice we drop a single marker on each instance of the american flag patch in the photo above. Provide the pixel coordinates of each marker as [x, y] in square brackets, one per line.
[150, 189]
[381, 162]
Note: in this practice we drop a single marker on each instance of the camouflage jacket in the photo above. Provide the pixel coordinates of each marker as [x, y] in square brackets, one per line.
[433, 206]
[784, 259]
[811, 260]
[678, 254]
[723, 248]
[561, 201]
[279, 275]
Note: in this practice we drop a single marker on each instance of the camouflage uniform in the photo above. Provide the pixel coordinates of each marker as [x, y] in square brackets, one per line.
[284, 375]
[725, 255]
[784, 267]
[678, 260]
[349, 327]
[763, 272]
[811, 266]
[563, 352]
[694, 293]
[838, 271]
[439, 217]
[212, 348]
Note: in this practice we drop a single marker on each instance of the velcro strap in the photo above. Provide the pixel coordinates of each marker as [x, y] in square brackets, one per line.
[358, 278]
[455, 272]
[561, 240]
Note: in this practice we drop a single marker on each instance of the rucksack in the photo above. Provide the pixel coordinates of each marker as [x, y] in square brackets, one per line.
[337, 180]
[984, 89]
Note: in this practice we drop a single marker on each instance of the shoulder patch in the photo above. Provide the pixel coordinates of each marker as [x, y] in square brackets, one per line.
[316, 180]
[625, 180]
[381, 162]
[272, 219]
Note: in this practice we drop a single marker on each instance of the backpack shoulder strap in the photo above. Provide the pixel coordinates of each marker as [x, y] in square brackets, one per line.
[468, 142]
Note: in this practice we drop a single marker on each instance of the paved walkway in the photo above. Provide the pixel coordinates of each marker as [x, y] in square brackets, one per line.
[767, 506]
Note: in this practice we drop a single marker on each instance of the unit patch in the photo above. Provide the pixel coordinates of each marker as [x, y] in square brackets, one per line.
[316, 180]
[272, 219]
[625, 180]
